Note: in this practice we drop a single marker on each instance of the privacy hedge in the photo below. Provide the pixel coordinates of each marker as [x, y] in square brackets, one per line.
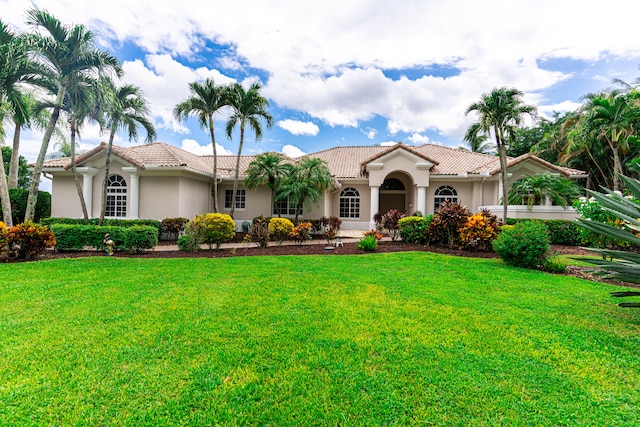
[71, 237]
[18, 197]
[561, 231]
[107, 222]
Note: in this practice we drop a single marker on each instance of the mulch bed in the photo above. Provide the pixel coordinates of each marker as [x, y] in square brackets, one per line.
[317, 248]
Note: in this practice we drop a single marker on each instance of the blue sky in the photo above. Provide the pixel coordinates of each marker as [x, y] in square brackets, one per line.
[362, 72]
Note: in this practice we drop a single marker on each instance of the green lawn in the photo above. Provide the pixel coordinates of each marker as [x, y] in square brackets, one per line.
[379, 339]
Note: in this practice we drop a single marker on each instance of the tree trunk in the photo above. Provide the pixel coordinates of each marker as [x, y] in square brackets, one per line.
[37, 169]
[502, 151]
[617, 166]
[107, 165]
[14, 164]
[4, 195]
[215, 166]
[235, 180]
[74, 173]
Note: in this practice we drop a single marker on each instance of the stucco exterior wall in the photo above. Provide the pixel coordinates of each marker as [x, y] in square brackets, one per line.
[195, 197]
[64, 200]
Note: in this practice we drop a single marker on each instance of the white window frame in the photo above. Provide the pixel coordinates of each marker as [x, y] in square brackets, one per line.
[116, 197]
[349, 204]
[241, 199]
[442, 194]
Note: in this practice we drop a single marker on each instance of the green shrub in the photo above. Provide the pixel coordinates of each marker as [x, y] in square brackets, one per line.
[524, 245]
[187, 243]
[445, 226]
[368, 243]
[554, 265]
[214, 228]
[28, 240]
[139, 238]
[563, 232]
[18, 198]
[3, 237]
[280, 229]
[413, 228]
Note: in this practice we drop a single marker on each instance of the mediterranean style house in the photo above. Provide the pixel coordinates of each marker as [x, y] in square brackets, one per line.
[159, 180]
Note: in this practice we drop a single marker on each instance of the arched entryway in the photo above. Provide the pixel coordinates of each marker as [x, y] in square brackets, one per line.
[393, 193]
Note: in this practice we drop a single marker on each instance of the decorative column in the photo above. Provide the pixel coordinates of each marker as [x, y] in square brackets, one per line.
[134, 191]
[421, 204]
[375, 205]
[87, 187]
[327, 203]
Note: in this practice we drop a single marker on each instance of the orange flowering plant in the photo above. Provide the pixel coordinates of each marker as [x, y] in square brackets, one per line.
[479, 231]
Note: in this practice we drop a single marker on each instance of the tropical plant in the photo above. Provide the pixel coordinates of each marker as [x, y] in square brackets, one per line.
[205, 100]
[368, 243]
[301, 232]
[620, 265]
[480, 230]
[249, 107]
[612, 117]
[214, 228]
[501, 112]
[267, 169]
[535, 189]
[477, 140]
[28, 240]
[23, 175]
[390, 222]
[590, 209]
[125, 108]
[65, 56]
[445, 226]
[305, 183]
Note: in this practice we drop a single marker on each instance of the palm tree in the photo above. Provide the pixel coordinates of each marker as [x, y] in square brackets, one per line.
[125, 108]
[206, 99]
[267, 169]
[66, 55]
[612, 118]
[248, 108]
[306, 183]
[534, 189]
[13, 65]
[500, 112]
[476, 140]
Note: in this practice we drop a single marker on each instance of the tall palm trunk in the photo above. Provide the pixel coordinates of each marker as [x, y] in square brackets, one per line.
[215, 165]
[37, 169]
[14, 163]
[502, 151]
[235, 180]
[107, 165]
[4, 195]
[74, 171]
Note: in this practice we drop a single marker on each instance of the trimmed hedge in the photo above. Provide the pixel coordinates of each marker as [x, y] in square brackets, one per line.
[76, 237]
[18, 197]
[561, 231]
[413, 229]
[111, 222]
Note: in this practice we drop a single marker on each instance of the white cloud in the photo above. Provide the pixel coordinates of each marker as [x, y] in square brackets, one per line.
[389, 143]
[194, 147]
[369, 132]
[297, 127]
[292, 151]
[562, 107]
[416, 138]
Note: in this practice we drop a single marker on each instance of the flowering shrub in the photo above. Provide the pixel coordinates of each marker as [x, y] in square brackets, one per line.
[280, 229]
[590, 209]
[213, 228]
[374, 233]
[28, 240]
[479, 230]
[259, 232]
[301, 232]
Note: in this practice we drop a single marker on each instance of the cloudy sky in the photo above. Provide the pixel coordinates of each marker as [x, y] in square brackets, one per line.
[354, 72]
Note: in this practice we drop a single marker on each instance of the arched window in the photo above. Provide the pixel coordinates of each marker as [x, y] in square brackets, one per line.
[116, 197]
[349, 203]
[392, 184]
[443, 193]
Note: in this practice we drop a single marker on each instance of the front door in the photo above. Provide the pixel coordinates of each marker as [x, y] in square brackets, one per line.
[391, 201]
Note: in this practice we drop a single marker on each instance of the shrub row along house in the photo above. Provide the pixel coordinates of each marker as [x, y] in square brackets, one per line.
[159, 181]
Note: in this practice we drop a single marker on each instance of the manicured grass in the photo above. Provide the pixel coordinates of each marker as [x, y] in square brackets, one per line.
[380, 339]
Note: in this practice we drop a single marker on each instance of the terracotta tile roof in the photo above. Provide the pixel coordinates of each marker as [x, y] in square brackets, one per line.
[344, 162]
